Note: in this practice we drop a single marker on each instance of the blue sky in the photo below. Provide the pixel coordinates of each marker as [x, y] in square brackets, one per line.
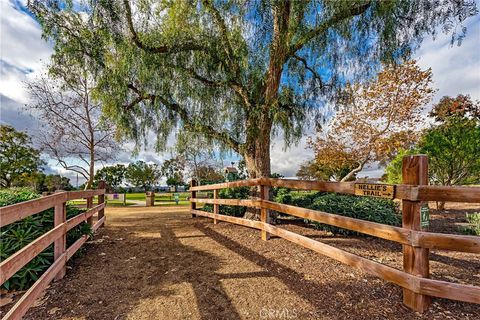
[24, 54]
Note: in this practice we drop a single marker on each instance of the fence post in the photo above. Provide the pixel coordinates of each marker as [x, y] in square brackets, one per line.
[216, 207]
[415, 259]
[265, 213]
[101, 199]
[60, 245]
[193, 194]
[90, 205]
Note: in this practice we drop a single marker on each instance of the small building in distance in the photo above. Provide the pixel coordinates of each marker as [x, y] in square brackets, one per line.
[231, 173]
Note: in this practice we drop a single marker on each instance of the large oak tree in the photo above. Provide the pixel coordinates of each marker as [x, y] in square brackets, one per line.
[235, 71]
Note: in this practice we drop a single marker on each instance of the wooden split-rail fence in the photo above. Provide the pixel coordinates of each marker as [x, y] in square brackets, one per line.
[57, 236]
[415, 280]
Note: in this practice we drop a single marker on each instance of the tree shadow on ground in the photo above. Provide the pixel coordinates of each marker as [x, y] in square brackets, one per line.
[142, 262]
[371, 298]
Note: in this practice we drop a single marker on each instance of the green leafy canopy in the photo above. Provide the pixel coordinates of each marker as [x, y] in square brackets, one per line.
[234, 71]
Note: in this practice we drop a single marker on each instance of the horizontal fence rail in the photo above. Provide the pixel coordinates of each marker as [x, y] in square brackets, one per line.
[56, 236]
[402, 192]
[416, 284]
[456, 291]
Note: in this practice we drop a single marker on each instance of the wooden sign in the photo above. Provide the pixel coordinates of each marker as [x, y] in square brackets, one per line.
[375, 190]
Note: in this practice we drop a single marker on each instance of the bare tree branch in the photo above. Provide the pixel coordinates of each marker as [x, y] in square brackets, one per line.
[72, 128]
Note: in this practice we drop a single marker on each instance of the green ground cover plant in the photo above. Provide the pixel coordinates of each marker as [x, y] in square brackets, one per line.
[15, 236]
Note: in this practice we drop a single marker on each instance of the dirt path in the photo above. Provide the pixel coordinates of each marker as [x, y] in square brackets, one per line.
[158, 263]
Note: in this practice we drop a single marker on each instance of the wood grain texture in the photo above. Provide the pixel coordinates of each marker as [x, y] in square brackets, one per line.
[59, 245]
[412, 192]
[416, 284]
[415, 259]
[15, 212]
[449, 193]
[89, 206]
[21, 307]
[216, 207]
[84, 216]
[379, 230]
[233, 184]
[340, 187]
[193, 194]
[448, 290]
[377, 269]
[57, 235]
[398, 234]
[241, 221]
[230, 202]
[73, 195]
[98, 224]
[75, 246]
[443, 241]
[264, 211]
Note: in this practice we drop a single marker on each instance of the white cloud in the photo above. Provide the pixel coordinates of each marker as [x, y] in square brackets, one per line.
[287, 162]
[456, 69]
[22, 45]
[24, 53]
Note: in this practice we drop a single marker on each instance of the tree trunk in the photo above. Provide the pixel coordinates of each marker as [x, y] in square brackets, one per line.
[354, 171]
[257, 160]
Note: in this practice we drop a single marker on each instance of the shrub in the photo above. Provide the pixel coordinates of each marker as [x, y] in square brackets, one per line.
[473, 227]
[15, 236]
[302, 199]
[364, 208]
[230, 193]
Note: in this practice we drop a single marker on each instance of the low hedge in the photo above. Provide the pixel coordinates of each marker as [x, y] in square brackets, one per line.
[302, 199]
[230, 193]
[15, 236]
[365, 208]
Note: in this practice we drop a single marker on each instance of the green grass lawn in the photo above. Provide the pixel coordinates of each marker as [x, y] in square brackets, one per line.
[110, 202]
[119, 203]
[162, 199]
[171, 203]
[158, 196]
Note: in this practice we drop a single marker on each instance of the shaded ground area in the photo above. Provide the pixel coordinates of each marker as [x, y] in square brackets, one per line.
[158, 263]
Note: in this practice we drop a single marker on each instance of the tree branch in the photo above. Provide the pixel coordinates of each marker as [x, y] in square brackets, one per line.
[350, 12]
[237, 88]
[187, 46]
[223, 33]
[316, 76]
[189, 124]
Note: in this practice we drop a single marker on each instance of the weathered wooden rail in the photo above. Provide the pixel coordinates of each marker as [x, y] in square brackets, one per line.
[414, 278]
[57, 236]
